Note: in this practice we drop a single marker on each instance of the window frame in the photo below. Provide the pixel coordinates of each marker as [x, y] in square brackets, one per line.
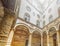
[50, 18]
[26, 17]
[38, 23]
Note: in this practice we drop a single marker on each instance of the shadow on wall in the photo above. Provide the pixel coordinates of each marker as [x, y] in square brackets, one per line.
[10, 4]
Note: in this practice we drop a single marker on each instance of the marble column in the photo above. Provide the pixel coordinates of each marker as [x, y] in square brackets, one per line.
[47, 39]
[5, 28]
[42, 40]
[30, 40]
[9, 41]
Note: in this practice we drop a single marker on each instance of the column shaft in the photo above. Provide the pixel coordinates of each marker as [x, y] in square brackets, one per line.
[47, 39]
[30, 40]
[5, 28]
[9, 41]
[41, 40]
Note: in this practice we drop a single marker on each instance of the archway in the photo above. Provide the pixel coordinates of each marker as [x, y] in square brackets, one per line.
[21, 36]
[36, 39]
[52, 37]
[44, 39]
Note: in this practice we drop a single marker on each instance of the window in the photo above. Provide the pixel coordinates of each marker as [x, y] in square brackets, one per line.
[50, 18]
[33, 13]
[38, 23]
[43, 16]
[38, 16]
[27, 17]
[43, 23]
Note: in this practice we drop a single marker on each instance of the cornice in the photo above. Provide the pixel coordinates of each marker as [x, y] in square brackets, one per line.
[47, 27]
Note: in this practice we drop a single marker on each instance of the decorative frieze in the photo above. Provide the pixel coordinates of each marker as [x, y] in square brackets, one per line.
[5, 27]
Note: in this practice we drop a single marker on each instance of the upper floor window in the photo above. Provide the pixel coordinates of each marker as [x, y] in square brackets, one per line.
[38, 16]
[38, 23]
[50, 18]
[43, 16]
[43, 23]
[33, 13]
[27, 17]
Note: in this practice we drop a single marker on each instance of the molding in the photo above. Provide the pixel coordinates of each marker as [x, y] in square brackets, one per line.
[51, 24]
[29, 23]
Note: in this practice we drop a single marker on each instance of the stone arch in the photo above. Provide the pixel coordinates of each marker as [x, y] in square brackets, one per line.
[52, 36]
[45, 32]
[22, 27]
[52, 30]
[37, 30]
[22, 24]
[21, 36]
[36, 38]
[44, 38]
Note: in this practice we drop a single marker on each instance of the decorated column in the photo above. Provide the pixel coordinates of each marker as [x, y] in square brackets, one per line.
[5, 27]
